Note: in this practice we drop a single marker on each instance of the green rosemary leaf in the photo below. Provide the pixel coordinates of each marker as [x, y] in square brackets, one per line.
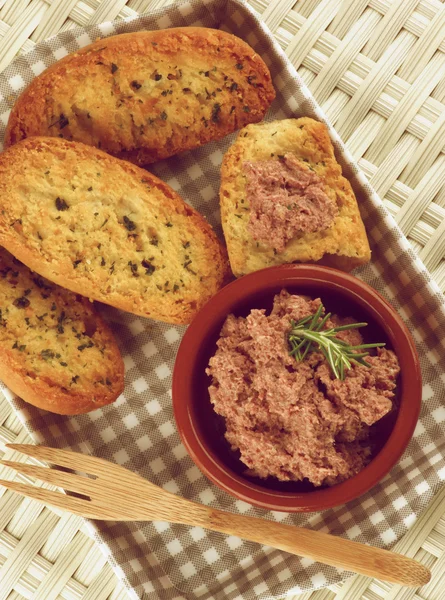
[302, 321]
[316, 316]
[359, 347]
[323, 321]
[349, 326]
[360, 361]
[308, 334]
[305, 351]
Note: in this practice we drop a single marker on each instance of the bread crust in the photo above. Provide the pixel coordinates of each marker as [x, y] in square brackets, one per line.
[148, 95]
[343, 245]
[40, 336]
[108, 230]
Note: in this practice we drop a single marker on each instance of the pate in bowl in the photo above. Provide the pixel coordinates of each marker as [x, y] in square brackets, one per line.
[268, 408]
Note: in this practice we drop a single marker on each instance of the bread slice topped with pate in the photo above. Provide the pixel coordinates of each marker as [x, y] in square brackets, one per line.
[56, 352]
[106, 229]
[284, 199]
[148, 95]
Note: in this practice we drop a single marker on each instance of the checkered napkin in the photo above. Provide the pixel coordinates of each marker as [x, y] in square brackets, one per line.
[158, 560]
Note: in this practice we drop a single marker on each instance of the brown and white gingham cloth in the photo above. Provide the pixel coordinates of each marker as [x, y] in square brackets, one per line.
[158, 560]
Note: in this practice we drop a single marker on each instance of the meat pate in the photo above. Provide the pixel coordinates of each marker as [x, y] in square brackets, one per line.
[294, 420]
[285, 198]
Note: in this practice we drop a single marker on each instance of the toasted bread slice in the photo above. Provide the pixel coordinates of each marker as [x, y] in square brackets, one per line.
[147, 95]
[56, 352]
[107, 229]
[343, 244]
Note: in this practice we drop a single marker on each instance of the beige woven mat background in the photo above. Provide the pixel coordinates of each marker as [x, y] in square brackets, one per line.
[377, 68]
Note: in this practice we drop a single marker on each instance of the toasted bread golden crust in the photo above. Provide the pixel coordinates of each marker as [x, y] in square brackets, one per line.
[56, 352]
[148, 95]
[343, 245]
[106, 229]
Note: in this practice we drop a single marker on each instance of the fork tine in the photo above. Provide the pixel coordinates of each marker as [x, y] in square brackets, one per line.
[67, 481]
[64, 458]
[56, 499]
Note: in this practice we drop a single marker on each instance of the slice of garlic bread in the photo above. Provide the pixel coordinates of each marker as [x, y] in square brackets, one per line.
[147, 95]
[106, 229]
[284, 199]
[56, 352]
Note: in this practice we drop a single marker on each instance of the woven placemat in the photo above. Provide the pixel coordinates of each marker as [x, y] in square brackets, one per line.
[377, 70]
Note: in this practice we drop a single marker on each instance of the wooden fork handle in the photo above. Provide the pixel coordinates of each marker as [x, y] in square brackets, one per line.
[322, 547]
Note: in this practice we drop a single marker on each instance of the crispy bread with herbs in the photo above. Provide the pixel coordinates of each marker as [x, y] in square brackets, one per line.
[56, 352]
[106, 229]
[343, 245]
[148, 95]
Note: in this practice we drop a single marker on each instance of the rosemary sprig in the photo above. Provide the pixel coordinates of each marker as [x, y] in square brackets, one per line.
[307, 335]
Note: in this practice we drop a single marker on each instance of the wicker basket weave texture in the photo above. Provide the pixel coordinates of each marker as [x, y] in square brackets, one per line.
[377, 69]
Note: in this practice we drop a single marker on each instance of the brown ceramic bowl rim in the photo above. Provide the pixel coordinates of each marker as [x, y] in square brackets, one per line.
[218, 308]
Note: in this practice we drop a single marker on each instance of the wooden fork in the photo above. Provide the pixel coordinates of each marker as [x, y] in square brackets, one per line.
[113, 493]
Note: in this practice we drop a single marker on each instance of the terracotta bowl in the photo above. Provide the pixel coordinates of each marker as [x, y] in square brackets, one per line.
[202, 430]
